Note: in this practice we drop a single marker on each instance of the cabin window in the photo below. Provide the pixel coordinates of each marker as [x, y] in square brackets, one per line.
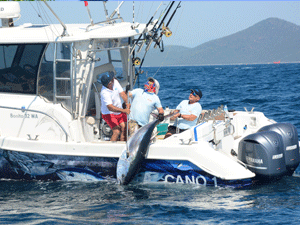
[56, 87]
[46, 76]
[7, 53]
[115, 58]
[19, 65]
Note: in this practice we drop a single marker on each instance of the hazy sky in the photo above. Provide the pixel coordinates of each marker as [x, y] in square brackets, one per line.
[195, 22]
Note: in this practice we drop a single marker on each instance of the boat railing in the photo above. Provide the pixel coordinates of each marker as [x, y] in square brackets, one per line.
[103, 22]
[106, 49]
[37, 111]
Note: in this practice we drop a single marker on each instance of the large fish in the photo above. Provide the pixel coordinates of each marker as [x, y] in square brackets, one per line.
[131, 159]
[78, 174]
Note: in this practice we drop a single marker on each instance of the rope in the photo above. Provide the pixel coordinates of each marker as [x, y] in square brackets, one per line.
[133, 12]
[46, 19]
[148, 16]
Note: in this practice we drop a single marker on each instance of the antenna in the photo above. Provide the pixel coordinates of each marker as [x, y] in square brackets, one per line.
[105, 10]
[65, 33]
[88, 10]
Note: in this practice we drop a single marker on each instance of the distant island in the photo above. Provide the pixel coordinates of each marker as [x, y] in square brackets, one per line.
[270, 41]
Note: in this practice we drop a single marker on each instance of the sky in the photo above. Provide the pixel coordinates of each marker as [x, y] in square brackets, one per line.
[195, 23]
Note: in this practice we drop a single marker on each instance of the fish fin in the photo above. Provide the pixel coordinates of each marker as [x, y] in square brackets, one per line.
[171, 114]
[166, 116]
[87, 168]
[154, 115]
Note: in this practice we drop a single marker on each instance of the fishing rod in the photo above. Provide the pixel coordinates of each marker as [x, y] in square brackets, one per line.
[149, 22]
[155, 33]
[165, 16]
[160, 17]
[166, 27]
[155, 30]
[137, 60]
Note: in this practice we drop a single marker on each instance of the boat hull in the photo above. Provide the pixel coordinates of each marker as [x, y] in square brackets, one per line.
[32, 166]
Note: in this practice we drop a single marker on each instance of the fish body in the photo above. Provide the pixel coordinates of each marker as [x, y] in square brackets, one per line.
[78, 174]
[131, 159]
[37, 168]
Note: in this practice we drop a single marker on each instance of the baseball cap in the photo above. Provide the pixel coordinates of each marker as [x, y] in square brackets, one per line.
[106, 78]
[198, 92]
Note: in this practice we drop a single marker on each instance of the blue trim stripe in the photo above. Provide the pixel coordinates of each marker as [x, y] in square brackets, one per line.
[195, 131]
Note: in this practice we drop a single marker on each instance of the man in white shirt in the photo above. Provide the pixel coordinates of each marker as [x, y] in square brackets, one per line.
[111, 106]
[188, 112]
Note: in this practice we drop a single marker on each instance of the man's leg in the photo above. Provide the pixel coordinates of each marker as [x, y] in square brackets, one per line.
[123, 131]
[116, 132]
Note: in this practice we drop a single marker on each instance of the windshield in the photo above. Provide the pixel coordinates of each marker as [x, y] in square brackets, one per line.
[19, 66]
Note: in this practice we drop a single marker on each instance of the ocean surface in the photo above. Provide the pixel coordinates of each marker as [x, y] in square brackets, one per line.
[272, 89]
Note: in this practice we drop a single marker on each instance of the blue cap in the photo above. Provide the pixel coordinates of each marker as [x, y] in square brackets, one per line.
[198, 92]
[106, 78]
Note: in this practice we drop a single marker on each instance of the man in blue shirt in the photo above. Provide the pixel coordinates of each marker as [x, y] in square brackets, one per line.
[144, 102]
[188, 112]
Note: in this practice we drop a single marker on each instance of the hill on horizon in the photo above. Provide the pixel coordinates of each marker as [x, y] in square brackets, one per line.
[268, 41]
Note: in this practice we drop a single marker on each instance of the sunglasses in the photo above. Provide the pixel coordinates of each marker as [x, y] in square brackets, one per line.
[193, 93]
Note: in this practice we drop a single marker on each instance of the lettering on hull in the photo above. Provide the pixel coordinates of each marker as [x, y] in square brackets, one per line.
[23, 116]
[199, 180]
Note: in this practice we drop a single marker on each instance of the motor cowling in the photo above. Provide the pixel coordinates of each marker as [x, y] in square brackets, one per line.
[263, 153]
[291, 143]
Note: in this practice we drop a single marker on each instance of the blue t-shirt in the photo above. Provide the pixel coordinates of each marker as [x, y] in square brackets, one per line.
[188, 109]
[142, 105]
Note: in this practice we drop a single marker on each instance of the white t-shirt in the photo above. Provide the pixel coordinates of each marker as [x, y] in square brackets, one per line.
[188, 109]
[111, 97]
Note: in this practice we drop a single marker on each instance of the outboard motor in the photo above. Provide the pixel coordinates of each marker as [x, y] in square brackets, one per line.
[263, 153]
[291, 144]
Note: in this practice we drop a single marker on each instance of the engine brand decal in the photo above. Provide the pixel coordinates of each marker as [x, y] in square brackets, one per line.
[279, 156]
[292, 147]
[258, 161]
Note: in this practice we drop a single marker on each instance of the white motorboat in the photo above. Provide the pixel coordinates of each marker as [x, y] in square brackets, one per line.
[51, 128]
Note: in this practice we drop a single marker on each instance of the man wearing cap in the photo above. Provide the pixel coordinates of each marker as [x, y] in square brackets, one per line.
[144, 102]
[111, 106]
[188, 112]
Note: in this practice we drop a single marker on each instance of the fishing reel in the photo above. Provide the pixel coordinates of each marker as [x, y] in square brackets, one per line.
[136, 61]
[166, 31]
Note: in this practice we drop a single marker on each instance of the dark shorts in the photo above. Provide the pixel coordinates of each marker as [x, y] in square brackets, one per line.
[115, 120]
[172, 130]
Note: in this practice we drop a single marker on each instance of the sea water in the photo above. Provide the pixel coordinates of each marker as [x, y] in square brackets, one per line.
[272, 89]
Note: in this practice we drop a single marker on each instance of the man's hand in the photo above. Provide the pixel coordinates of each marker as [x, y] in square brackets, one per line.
[161, 117]
[127, 111]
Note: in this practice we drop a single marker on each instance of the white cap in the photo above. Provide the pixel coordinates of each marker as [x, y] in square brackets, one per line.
[156, 84]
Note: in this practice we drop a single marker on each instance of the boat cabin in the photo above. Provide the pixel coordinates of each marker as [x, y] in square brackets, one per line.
[50, 72]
